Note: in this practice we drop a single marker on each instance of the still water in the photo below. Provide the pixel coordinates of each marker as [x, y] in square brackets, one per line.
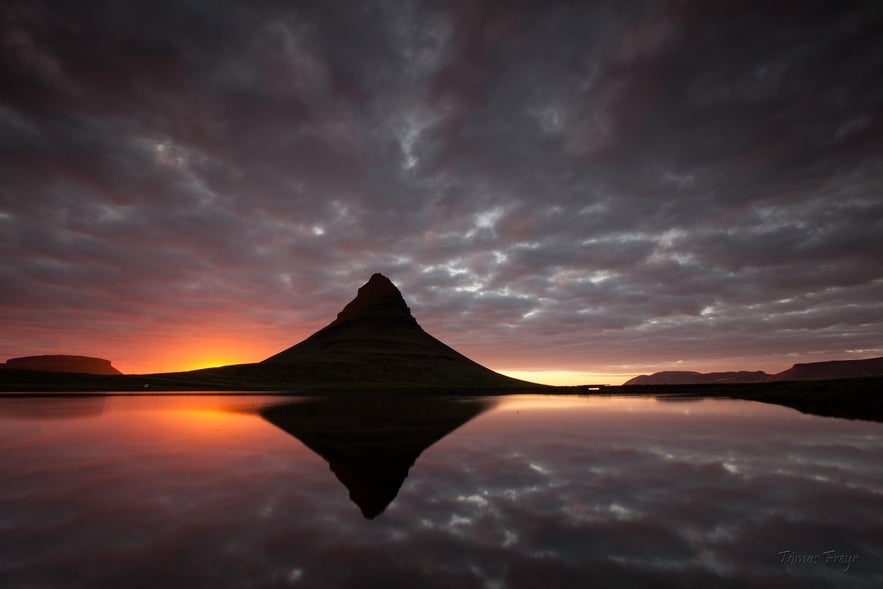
[521, 491]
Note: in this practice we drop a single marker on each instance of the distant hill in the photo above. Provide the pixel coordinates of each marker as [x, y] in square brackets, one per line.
[811, 371]
[686, 377]
[833, 369]
[61, 363]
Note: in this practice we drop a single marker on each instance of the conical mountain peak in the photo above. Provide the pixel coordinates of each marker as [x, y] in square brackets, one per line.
[378, 296]
[376, 342]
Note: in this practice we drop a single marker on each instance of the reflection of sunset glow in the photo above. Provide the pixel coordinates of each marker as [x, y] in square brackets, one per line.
[195, 415]
[557, 402]
[196, 420]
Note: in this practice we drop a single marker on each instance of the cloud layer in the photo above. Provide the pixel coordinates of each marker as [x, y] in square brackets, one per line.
[552, 185]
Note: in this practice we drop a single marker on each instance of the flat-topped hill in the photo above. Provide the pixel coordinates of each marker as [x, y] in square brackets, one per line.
[62, 363]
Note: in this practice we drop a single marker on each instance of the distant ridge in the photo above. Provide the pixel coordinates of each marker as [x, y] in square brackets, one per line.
[62, 363]
[833, 369]
[686, 377]
[830, 370]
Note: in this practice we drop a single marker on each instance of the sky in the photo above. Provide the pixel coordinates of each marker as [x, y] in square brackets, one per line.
[566, 191]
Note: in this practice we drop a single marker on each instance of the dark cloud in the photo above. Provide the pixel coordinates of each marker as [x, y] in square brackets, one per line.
[558, 185]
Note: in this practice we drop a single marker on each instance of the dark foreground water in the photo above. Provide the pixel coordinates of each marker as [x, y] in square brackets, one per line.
[510, 492]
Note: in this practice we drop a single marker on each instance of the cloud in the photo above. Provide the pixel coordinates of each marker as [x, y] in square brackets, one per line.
[552, 185]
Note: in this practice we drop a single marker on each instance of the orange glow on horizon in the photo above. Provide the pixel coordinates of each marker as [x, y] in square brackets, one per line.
[567, 377]
[194, 353]
[189, 349]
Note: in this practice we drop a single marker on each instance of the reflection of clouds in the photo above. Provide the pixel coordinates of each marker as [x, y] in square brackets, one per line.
[619, 500]
[696, 501]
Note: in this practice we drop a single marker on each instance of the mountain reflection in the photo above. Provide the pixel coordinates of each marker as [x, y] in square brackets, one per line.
[371, 443]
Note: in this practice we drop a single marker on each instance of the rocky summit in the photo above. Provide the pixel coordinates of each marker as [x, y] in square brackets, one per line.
[376, 298]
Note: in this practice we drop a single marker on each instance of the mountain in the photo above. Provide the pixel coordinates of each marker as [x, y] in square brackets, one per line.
[59, 363]
[811, 371]
[376, 340]
[686, 377]
[833, 369]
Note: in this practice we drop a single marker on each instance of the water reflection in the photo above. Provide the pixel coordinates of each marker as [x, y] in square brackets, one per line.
[47, 407]
[371, 444]
[536, 492]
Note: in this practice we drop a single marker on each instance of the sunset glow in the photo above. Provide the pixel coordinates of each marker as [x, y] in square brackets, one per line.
[566, 378]
[192, 353]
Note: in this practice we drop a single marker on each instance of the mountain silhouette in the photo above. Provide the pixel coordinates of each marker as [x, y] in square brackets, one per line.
[833, 369]
[829, 370]
[375, 340]
[674, 377]
[62, 363]
[371, 444]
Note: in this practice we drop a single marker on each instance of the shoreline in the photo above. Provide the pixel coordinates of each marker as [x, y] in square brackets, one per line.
[850, 398]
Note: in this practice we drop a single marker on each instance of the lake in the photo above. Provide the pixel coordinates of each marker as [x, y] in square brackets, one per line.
[505, 492]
